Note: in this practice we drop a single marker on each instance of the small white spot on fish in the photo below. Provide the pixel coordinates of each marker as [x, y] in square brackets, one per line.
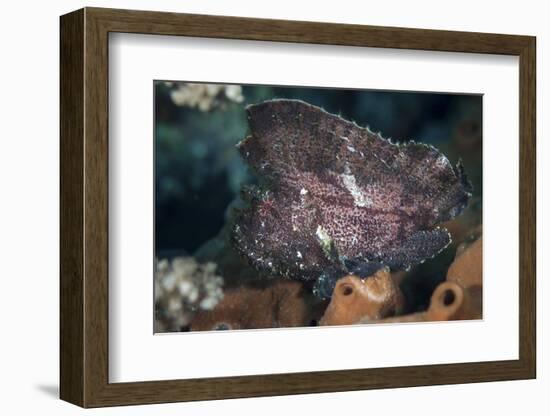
[360, 198]
[442, 161]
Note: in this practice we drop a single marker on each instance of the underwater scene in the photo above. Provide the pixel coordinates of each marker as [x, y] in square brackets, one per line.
[281, 206]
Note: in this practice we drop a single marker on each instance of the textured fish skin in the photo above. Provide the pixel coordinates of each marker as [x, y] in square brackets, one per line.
[335, 197]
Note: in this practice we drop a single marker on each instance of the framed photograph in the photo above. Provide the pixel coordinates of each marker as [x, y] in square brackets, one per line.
[257, 207]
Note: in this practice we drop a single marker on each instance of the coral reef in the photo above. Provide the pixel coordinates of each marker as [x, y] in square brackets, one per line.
[334, 224]
[459, 297]
[337, 199]
[467, 270]
[204, 97]
[198, 169]
[354, 298]
[183, 287]
[235, 269]
[467, 226]
[278, 303]
[449, 302]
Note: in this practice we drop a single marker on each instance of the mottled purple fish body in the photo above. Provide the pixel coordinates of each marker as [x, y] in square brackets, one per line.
[333, 194]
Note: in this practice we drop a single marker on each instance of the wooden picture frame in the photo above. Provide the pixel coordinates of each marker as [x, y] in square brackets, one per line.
[84, 207]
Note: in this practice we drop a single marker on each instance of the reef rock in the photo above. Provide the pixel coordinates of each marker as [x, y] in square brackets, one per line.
[279, 304]
[335, 198]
